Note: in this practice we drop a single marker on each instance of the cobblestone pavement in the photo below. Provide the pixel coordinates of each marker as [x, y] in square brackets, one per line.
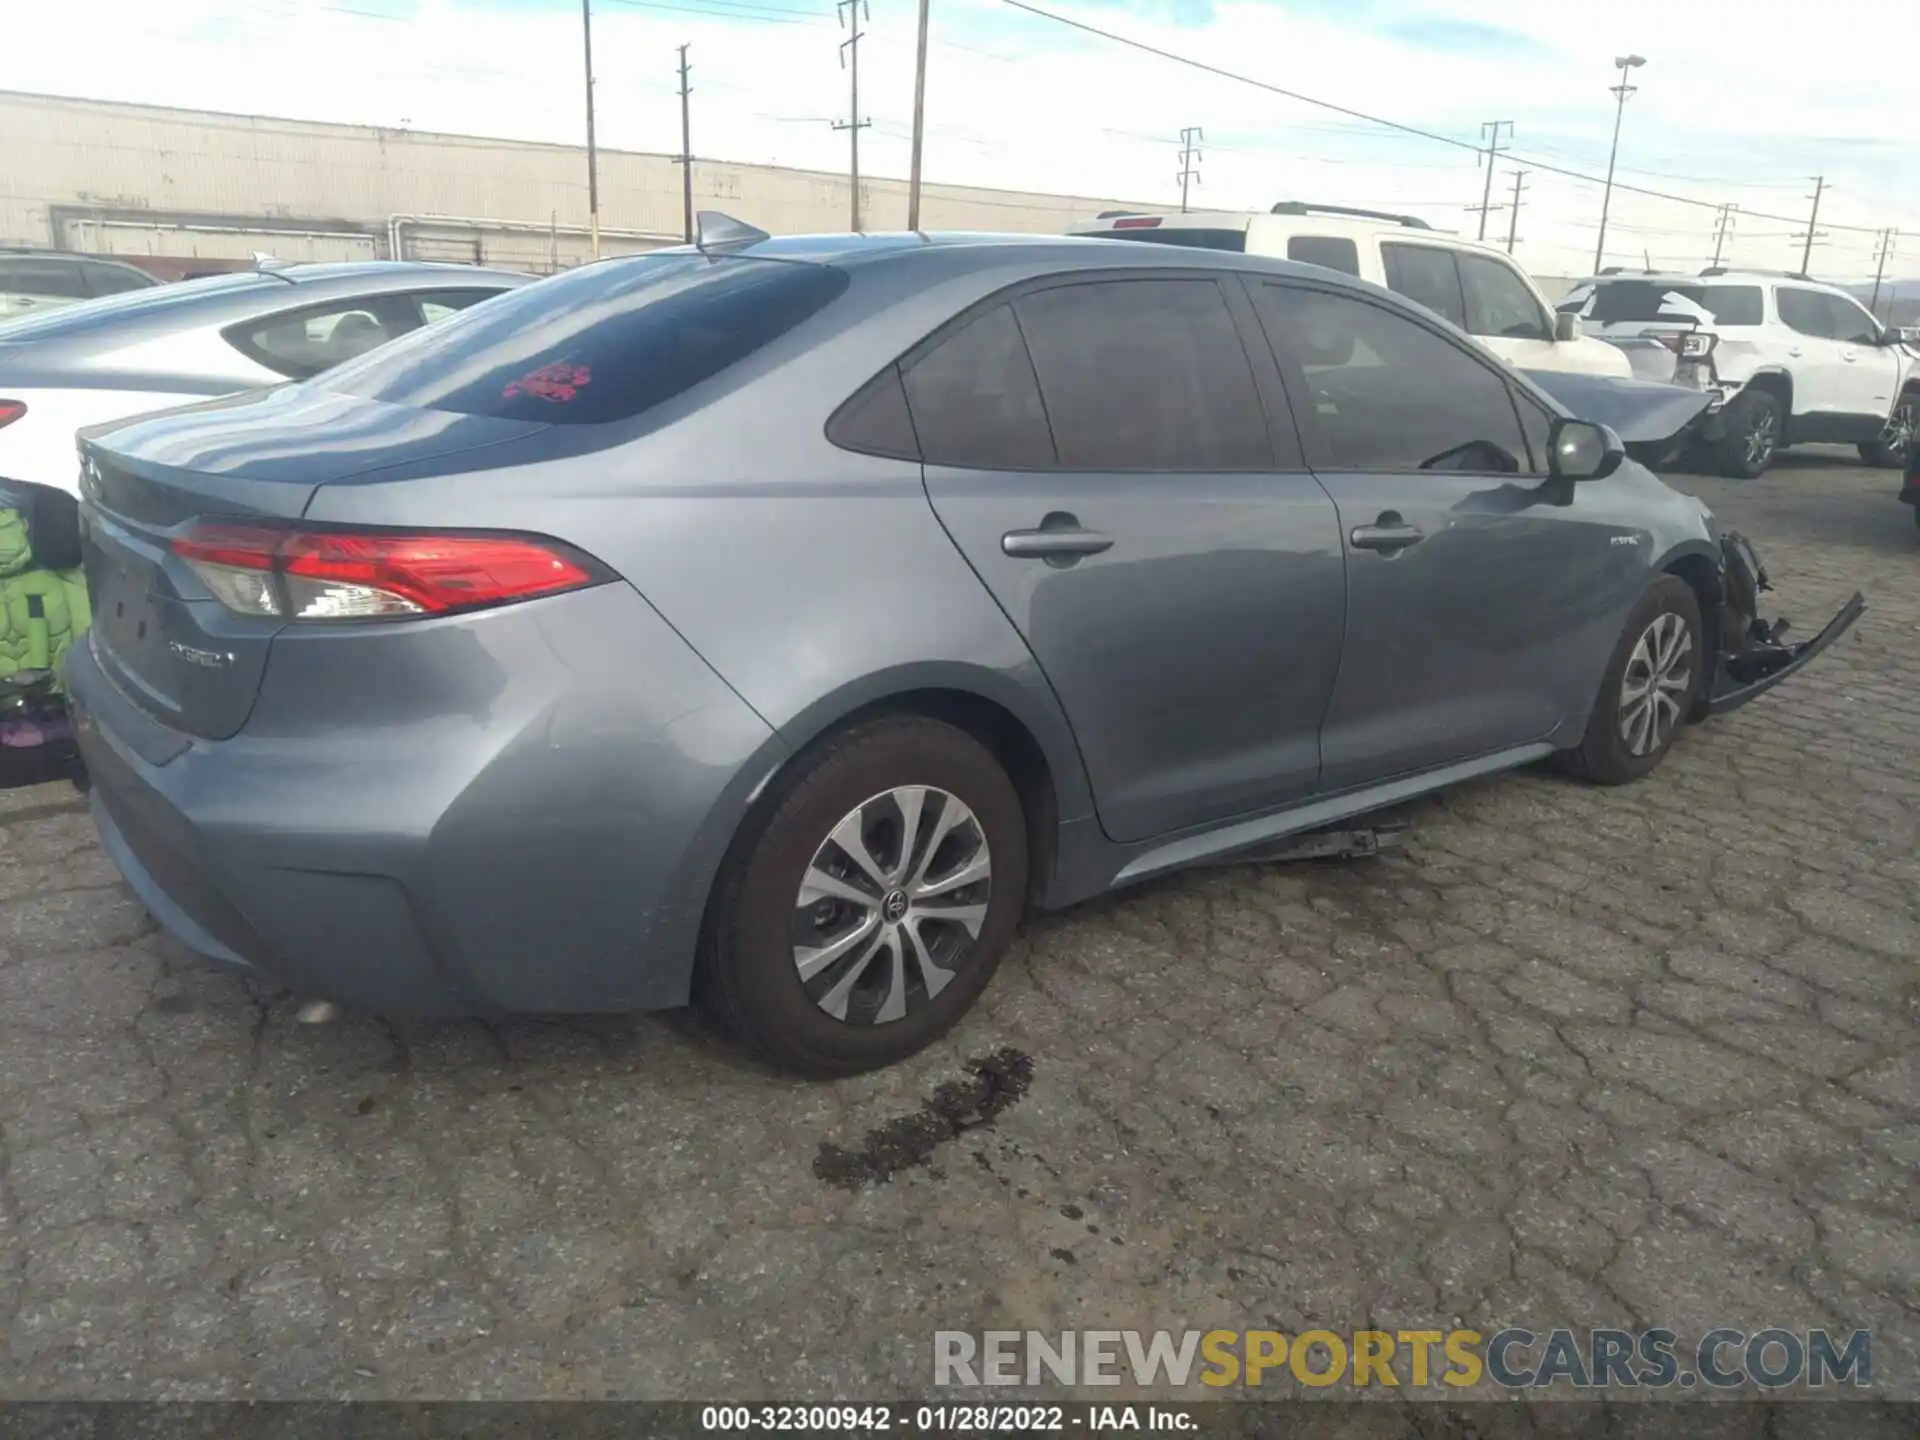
[1577, 1057]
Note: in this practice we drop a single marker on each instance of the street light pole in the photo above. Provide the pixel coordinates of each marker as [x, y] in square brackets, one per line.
[1623, 63]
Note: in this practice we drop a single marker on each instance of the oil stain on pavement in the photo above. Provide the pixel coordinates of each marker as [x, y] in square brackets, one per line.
[994, 1083]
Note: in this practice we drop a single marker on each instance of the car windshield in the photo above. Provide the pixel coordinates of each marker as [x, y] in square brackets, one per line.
[87, 315]
[1617, 301]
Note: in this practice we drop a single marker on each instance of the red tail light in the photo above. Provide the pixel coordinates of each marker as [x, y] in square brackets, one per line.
[10, 411]
[306, 574]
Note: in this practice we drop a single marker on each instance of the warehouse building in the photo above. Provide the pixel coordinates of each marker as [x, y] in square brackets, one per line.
[154, 183]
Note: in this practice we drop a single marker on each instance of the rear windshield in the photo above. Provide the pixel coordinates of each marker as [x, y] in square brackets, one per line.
[152, 300]
[1619, 300]
[604, 342]
[1190, 236]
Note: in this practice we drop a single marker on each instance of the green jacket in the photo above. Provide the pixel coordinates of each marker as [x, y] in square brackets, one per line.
[42, 612]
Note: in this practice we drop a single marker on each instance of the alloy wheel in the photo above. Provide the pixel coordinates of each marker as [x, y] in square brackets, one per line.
[1655, 688]
[891, 904]
[1762, 436]
[1902, 427]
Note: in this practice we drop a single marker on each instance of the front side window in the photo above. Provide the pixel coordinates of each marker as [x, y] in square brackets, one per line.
[1427, 276]
[1804, 311]
[1499, 302]
[439, 304]
[1145, 374]
[600, 343]
[1390, 394]
[1848, 323]
[47, 279]
[115, 279]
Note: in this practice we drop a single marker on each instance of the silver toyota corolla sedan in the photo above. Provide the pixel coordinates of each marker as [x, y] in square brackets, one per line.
[775, 621]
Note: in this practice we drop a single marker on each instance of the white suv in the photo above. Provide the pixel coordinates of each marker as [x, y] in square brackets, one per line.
[1788, 360]
[1475, 286]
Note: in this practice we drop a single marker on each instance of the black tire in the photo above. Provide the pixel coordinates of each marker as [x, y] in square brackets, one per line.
[1895, 446]
[1750, 435]
[1604, 756]
[748, 977]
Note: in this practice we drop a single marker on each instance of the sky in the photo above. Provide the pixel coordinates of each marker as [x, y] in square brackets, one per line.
[1724, 111]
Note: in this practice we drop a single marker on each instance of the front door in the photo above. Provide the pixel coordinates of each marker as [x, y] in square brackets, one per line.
[1099, 451]
[1478, 592]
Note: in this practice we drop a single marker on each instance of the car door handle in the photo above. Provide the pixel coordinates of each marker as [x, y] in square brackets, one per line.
[1053, 544]
[1794, 351]
[1390, 538]
[1849, 356]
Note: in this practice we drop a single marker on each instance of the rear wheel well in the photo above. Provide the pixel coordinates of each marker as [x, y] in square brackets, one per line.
[1703, 578]
[1775, 384]
[1011, 743]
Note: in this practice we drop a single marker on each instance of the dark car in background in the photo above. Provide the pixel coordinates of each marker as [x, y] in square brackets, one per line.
[776, 621]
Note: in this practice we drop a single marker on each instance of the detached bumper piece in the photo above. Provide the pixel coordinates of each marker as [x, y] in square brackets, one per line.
[1753, 655]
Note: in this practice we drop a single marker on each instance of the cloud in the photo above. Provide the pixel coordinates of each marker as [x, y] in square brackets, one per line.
[1724, 112]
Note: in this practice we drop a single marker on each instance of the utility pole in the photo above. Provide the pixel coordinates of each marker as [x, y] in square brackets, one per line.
[851, 13]
[1513, 220]
[1491, 129]
[593, 156]
[1722, 228]
[919, 121]
[1806, 255]
[1189, 157]
[685, 162]
[1880, 273]
[1624, 64]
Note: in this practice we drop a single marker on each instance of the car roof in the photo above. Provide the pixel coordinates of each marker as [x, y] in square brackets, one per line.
[219, 300]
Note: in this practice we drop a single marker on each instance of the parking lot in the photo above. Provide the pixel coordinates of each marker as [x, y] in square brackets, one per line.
[1575, 1057]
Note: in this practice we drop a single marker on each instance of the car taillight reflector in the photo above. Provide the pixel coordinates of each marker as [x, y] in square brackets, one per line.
[10, 411]
[1137, 222]
[375, 574]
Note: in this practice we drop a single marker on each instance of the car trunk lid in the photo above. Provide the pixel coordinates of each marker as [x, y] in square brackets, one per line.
[157, 631]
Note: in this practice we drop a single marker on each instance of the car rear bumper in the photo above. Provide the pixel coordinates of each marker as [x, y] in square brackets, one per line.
[544, 844]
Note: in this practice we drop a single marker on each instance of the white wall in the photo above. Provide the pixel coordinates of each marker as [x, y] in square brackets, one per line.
[146, 180]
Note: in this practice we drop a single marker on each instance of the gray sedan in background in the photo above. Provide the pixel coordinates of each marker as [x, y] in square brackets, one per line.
[775, 621]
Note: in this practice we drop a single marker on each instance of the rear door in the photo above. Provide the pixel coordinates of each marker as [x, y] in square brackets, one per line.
[1820, 383]
[1477, 597]
[1100, 451]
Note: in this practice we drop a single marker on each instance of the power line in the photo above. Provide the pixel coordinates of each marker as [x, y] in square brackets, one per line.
[1379, 120]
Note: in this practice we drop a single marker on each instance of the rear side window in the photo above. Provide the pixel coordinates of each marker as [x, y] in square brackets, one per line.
[604, 342]
[1145, 375]
[1735, 304]
[975, 402]
[1331, 252]
[439, 304]
[1190, 236]
[1427, 276]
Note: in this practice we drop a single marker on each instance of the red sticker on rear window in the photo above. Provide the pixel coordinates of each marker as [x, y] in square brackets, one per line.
[558, 382]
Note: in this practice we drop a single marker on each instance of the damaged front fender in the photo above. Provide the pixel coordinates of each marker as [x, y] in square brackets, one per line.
[1752, 657]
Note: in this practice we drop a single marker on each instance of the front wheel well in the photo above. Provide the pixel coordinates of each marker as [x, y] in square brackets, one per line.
[1703, 578]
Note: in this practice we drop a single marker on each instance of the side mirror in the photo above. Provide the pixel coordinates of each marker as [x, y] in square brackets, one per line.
[1566, 326]
[1582, 450]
